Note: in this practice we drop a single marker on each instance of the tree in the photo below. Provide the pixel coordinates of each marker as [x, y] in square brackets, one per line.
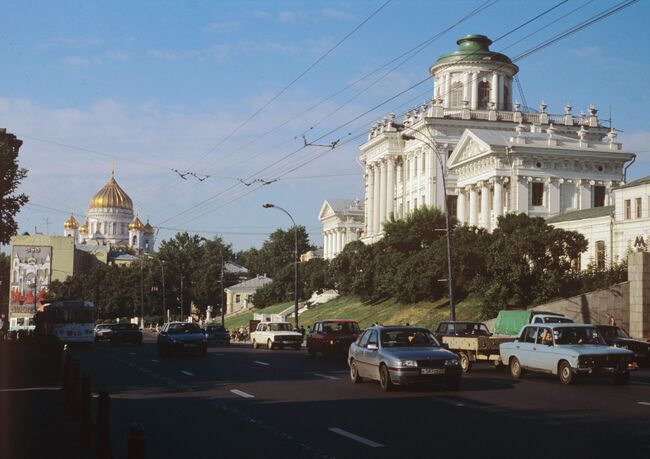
[5, 266]
[10, 177]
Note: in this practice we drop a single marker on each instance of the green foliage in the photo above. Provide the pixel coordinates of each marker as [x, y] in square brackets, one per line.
[5, 265]
[10, 177]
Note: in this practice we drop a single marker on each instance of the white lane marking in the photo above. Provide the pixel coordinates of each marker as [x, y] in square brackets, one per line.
[29, 389]
[365, 441]
[155, 361]
[241, 393]
[266, 364]
[131, 353]
[187, 373]
[449, 402]
[216, 353]
[325, 376]
[644, 403]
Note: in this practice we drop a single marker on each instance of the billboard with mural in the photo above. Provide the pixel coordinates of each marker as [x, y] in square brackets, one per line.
[31, 268]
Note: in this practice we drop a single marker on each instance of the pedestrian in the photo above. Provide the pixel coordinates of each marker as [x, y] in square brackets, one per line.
[2, 327]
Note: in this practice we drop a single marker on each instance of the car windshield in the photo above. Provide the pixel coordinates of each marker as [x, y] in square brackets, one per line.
[281, 327]
[557, 320]
[407, 337]
[577, 335]
[613, 332]
[215, 328]
[183, 328]
[469, 328]
[340, 327]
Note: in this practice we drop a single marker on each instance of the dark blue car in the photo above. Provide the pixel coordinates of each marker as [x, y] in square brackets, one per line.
[216, 333]
[182, 337]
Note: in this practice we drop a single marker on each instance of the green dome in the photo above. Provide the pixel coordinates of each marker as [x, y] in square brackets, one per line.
[473, 48]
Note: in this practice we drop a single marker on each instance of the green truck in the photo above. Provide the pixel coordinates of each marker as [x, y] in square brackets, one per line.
[509, 322]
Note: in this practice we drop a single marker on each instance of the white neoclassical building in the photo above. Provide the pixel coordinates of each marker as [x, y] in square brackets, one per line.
[342, 221]
[472, 103]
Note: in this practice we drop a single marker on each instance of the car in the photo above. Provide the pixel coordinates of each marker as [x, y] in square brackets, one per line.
[187, 337]
[566, 350]
[618, 337]
[401, 355]
[217, 333]
[275, 335]
[332, 336]
[125, 333]
[550, 318]
[103, 332]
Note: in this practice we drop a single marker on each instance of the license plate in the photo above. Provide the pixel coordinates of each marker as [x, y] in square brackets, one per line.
[189, 345]
[432, 371]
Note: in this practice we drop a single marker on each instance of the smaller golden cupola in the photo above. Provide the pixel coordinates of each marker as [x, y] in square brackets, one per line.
[136, 224]
[71, 223]
[83, 229]
[148, 229]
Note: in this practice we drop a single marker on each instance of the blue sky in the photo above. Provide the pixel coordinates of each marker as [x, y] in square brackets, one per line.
[163, 83]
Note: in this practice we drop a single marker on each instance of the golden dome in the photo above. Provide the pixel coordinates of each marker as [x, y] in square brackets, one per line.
[136, 224]
[148, 229]
[83, 229]
[111, 196]
[71, 223]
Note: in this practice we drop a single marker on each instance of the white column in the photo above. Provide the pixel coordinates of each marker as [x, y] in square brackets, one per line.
[522, 195]
[460, 208]
[466, 86]
[376, 204]
[485, 205]
[325, 253]
[494, 88]
[584, 194]
[370, 204]
[553, 197]
[473, 208]
[341, 241]
[501, 93]
[498, 199]
[474, 99]
[390, 186]
[383, 194]
[447, 95]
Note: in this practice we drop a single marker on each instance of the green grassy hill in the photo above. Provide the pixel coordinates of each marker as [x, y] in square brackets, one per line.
[424, 313]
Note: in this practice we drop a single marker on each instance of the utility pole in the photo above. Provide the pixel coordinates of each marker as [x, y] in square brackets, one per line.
[223, 306]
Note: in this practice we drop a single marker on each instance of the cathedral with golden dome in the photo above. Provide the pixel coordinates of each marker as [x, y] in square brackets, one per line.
[111, 221]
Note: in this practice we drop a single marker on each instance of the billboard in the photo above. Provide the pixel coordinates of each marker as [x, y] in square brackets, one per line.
[31, 269]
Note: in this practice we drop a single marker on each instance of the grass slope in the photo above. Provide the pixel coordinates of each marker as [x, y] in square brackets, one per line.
[389, 312]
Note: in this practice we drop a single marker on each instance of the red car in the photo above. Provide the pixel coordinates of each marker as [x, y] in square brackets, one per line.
[332, 336]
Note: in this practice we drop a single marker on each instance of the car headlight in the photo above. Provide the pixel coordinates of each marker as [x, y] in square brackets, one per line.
[622, 346]
[452, 363]
[407, 363]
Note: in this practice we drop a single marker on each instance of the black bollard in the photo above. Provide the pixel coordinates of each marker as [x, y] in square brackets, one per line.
[104, 449]
[86, 422]
[135, 447]
[67, 371]
[75, 387]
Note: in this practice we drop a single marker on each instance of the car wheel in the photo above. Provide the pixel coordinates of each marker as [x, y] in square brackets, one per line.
[354, 374]
[565, 373]
[254, 344]
[269, 345]
[465, 362]
[515, 368]
[384, 379]
[622, 378]
[453, 383]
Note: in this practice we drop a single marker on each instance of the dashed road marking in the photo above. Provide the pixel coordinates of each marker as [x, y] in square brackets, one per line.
[365, 441]
[155, 361]
[131, 353]
[217, 354]
[449, 402]
[266, 364]
[187, 373]
[325, 376]
[241, 393]
[644, 403]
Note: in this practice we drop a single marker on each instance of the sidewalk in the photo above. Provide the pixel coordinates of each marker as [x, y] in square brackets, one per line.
[33, 420]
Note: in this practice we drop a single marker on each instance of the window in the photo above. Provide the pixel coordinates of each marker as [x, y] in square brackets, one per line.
[628, 209]
[599, 196]
[529, 335]
[237, 298]
[408, 169]
[424, 202]
[424, 163]
[575, 264]
[638, 207]
[415, 203]
[457, 95]
[483, 95]
[506, 98]
[452, 205]
[363, 341]
[374, 338]
[408, 206]
[537, 194]
[600, 254]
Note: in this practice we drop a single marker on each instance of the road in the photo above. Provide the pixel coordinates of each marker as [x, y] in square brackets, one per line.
[282, 403]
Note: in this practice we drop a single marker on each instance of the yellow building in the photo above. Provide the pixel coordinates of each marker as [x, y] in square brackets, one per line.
[239, 297]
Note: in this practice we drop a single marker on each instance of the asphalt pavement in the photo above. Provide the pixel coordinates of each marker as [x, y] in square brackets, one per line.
[240, 402]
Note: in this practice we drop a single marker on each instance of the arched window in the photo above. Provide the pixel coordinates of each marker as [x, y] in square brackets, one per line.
[506, 98]
[483, 95]
[135, 240]
[114, 228]
[457, 95]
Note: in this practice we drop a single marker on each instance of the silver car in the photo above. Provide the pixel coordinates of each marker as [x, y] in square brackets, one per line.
[399, 355]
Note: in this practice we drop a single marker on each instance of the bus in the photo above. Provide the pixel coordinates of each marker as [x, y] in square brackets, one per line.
[70, 321]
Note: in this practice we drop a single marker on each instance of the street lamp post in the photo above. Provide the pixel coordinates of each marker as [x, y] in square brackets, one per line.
[434, 147]
[295, 259]
[141, 296]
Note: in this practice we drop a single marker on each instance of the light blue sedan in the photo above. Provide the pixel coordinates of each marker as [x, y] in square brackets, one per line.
[402, 355]
[565, 350]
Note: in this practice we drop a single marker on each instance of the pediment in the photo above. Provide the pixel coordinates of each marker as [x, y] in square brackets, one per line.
[325, 211]
[468, 148]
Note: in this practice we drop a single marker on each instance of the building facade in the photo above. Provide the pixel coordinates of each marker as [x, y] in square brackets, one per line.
[342, 221]
[239, 297]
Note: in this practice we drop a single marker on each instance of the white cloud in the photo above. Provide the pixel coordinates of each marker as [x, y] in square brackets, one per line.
[218, 52]
[264, 15]
[121, 56]
[81, 61]
[275, 47]
[76, 43]
[339, 15]
[587, 52]
[222, 27]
